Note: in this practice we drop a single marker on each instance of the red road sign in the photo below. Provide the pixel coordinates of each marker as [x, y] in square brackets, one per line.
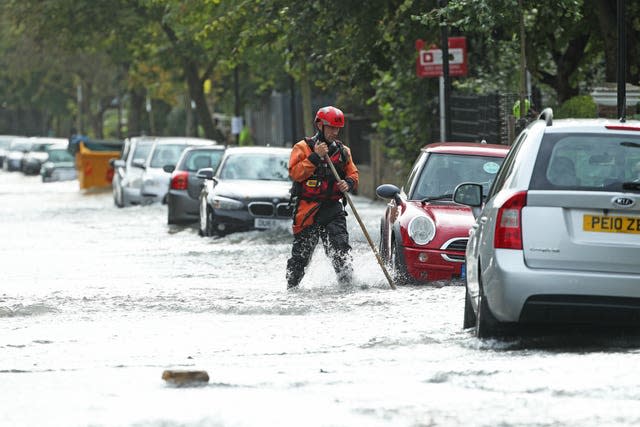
[429, 61]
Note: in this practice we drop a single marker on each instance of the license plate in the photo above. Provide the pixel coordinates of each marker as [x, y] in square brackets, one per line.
[271, 223]
[611, 224]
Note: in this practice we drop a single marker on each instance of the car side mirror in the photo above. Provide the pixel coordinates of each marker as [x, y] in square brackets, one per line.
[469, 194]
[139, 163]
[169, 168]
[389, 191]
[205, 173]
[117, 163]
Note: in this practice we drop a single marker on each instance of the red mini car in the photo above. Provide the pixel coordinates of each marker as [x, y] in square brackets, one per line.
[423, 235]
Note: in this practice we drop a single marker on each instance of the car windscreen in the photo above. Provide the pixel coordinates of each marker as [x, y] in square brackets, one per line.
[60, 155]
[166, 154]
[199, 159]
[142, 150]
[39, 147]
[442, 173]
[586, 162]
[256, 166]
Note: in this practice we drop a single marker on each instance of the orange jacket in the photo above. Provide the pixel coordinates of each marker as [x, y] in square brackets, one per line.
[301, 168]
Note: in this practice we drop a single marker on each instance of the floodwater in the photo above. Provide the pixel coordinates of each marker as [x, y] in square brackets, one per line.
[96, 302]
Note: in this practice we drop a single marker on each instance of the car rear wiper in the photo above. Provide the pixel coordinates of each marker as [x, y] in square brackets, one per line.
[631, 185]
[440, 197]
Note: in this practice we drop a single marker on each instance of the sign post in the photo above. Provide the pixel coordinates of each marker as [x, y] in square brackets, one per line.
[430, 64]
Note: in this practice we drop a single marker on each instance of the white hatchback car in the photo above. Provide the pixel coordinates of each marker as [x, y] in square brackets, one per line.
[160, 163]
[557, 238]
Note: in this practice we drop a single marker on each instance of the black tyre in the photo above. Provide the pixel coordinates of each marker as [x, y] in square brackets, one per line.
[117, 197]
[382, 247]
[206, 228]
[396, 264]
[469, 315]
[487, 326]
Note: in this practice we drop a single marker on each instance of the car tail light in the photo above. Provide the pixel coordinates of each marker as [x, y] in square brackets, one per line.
[509, 222]
[180, 180]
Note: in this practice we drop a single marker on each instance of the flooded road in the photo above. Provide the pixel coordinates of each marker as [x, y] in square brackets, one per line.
[96, 302]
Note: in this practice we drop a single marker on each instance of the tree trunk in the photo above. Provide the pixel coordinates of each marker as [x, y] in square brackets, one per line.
[134, 119]
[606, 12]
[196, 93]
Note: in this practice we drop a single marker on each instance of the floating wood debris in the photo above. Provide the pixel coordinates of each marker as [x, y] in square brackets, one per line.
[185, 378]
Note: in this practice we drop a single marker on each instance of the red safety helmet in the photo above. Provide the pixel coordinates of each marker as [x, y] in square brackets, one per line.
[330, 116]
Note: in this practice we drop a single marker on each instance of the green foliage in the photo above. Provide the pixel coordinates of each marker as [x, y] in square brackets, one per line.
[361, 55]
[582, 106]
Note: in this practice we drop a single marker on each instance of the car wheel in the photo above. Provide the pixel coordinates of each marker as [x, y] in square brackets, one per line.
[382, 247]
[469, 315]
[398, 272]
[487, 326]
[207, 228]
[202, 227]
[117, 197]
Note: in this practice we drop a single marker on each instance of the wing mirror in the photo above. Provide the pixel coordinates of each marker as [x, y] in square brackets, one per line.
[139, 163]
[389, 191]
[205, 173]
[469, 194]
[117, 163]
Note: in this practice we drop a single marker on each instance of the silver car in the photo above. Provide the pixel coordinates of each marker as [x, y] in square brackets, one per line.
[33, 160]
[15, 153]
[128, 170]
[161, 161]
[557, 238]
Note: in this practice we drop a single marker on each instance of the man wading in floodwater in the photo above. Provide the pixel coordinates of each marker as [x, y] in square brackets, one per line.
[317, 196]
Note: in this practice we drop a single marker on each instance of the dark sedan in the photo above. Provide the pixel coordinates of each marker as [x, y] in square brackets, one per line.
[249, 190]
[185, 186]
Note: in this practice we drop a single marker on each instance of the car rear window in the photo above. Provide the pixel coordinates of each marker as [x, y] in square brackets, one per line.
[142, 150]
[586, 162]
[198, 159]
[166, 154]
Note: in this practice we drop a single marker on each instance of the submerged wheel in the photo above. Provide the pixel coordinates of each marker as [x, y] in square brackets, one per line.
[487, 326]
[206, 219]
[398, 270]
[469, 315]
[117, 197]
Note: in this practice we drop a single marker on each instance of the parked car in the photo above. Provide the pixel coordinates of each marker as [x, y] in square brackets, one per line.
[60, 164]
[183, 204]
[34, 159]
[16, 152]
[128, 171]
[165, 152]
[423, 234]
[557, 239]
[249, 190]
[5, 142]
